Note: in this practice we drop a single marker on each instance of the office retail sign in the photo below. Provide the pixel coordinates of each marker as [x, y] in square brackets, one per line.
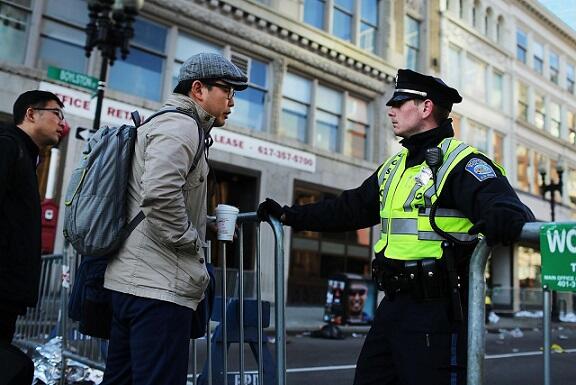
[74, 78]
[558, 250]
[82, 104]
[260, 149]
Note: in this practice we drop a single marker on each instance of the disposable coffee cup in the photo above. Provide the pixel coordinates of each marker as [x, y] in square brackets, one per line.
[226, 221]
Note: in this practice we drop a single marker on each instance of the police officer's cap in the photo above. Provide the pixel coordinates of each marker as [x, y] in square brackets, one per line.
[414, 85]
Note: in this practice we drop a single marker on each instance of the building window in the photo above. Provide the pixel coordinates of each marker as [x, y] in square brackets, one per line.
[412, 36]
[186, 46]
[554, 65]
[498, 148]
[296, 92]
[475, 78]
[530, 276]
[357, 128]
[62, 37]
[342, 19]
[570, 78]
[478, 136]
[497, 98]
[571, 124]
[521, 45]
[141, 73]
[345, 20]
[537, 160]
[316, 256]
[538, 58]
[369, 25]
[454, 66]
[554, 119]
[572, 187]
[314, 13]
[13, 30]
[250, 104]
[523, 169]
[328, 112]
[522, 91]
[539, 111]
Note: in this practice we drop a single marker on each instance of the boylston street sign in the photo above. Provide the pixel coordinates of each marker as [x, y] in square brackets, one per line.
[74, 78]
[558, 250]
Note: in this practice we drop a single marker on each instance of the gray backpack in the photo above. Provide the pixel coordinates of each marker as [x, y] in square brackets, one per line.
[95, 210]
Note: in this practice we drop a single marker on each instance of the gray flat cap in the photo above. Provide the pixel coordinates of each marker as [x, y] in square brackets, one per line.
[212, 66]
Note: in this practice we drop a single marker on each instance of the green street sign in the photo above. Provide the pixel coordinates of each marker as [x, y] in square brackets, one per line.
[558, 250]
[72, 77]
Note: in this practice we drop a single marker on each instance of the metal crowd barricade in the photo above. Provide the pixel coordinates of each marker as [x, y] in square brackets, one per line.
[43, 321]
[91, 351]
[476, 327]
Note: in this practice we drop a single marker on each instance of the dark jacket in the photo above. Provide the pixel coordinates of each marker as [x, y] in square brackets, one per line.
[20, 221]
[360, 207]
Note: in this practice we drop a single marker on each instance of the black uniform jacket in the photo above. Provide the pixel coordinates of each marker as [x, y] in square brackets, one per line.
[20, 221]
[360, 207]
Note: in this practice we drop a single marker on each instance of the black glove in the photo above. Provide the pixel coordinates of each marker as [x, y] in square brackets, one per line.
[269, 208]
[500, 225]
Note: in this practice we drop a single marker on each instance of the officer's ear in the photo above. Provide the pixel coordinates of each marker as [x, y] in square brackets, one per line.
[428, 106]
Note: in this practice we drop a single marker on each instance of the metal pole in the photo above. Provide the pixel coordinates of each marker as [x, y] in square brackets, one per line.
[224, 313]
[259, 312]
[476, 296]
[241, 300]
[279, 306]
[100, 92]
[530, 235]
[546, 295]
[208, 331]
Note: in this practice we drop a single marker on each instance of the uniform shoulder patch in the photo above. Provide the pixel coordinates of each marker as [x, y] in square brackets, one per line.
[480, 169]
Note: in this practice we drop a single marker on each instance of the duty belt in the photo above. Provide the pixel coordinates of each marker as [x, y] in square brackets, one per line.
[423, 279]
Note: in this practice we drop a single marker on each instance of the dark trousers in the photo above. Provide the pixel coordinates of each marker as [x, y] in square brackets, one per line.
[148, 342]
[413, 343]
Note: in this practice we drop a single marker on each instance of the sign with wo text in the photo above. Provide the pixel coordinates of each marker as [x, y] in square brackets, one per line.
[558, 250]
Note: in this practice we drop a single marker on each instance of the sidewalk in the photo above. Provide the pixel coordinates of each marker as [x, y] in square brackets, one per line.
[301, 319]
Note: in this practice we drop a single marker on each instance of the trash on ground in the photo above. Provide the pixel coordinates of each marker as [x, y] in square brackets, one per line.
[493, 318]
[529, 314]
[47, 367]
[568, 317]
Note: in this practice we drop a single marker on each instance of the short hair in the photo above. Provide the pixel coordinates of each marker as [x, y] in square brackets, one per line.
[439, 113]
[32, 99]
[185, 86]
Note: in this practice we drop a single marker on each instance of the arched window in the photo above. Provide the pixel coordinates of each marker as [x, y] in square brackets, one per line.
[500, 29]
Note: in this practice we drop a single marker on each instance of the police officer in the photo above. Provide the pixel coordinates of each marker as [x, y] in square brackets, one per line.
[432, 199]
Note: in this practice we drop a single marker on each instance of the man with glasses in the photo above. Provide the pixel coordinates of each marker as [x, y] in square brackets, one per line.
[38, 123]
[159, 275]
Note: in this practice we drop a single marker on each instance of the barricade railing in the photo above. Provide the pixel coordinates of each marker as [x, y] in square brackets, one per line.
[43, 321]
[92, 351]
[530, 236]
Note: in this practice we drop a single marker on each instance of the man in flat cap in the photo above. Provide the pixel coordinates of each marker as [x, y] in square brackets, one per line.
[159, 275]
[431, 199]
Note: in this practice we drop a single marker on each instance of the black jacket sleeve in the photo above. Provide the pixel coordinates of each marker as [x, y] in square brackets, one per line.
[491, 200]
[353, 209]
[8, 157]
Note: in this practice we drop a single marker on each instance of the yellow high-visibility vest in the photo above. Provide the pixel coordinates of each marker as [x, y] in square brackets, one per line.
[406, 196]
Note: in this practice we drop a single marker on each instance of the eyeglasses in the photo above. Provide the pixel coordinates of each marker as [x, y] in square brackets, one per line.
[226, 88]
[56, 111]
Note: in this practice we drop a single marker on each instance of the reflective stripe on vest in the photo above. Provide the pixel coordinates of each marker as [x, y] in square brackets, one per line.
[405, 204]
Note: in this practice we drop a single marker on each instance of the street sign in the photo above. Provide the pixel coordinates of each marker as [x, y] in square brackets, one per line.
[558, 250]
[84, 133]
[72, 77]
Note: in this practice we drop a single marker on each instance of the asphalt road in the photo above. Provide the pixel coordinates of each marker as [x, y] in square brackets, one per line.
[511, 359]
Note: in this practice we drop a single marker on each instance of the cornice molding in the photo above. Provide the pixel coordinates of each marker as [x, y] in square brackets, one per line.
[273, 31]
[549, 19]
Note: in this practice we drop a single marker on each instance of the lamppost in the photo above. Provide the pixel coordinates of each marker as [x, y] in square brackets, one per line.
[552, 188]
[109, 28]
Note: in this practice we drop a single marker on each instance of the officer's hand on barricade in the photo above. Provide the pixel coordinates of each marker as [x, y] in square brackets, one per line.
[501, 225]
[269, 208]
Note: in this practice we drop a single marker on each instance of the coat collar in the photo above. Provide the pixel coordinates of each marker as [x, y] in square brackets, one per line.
[203, 118]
